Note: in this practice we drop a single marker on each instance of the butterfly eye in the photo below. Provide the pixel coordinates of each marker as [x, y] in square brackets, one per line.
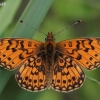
[53, 39]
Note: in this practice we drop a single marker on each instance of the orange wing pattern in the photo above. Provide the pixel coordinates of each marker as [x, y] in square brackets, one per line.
[67, 75]
[14, 52]
[70, 56]
[84, 51]
[31, 75]
[67, 58]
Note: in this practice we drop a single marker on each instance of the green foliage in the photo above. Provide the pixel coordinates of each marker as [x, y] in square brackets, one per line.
[57, 15]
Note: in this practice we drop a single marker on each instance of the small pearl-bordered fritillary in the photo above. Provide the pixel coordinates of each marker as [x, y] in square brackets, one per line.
[50, 64]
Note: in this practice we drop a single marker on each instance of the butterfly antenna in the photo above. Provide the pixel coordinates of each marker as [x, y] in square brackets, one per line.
[31, 27]
[68, 27]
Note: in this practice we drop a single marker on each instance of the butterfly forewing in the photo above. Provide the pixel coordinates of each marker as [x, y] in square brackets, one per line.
[84, 51]
[15, 51]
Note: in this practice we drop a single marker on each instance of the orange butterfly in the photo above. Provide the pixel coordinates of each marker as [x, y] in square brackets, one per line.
[50, 64]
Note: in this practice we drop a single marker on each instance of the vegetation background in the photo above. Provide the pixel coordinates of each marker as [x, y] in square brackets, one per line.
[47, 16]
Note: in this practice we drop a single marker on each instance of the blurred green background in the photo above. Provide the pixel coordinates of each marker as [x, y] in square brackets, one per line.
[47, 16]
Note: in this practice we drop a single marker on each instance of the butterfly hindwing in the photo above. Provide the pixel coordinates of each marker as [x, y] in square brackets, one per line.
[31, 75]
[84, 51]
[67, 75]
[14, 51]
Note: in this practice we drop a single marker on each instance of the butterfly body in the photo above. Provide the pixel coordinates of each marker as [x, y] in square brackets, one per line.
[50, 47]
[50, 64]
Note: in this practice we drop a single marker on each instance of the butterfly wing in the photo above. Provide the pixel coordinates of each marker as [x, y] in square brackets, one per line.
[31, 75]
[13, 52]
[70, 56]
[26, 54]
[67, 75]
[84, 51]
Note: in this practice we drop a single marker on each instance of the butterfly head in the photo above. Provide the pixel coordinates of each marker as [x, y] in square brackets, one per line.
[50, 37]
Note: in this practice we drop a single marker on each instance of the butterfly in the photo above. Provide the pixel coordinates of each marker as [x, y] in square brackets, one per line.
[50, 64]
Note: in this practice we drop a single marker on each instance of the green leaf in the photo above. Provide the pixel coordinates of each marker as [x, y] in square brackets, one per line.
[93, 80]
[7, 13]
[33, 15]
